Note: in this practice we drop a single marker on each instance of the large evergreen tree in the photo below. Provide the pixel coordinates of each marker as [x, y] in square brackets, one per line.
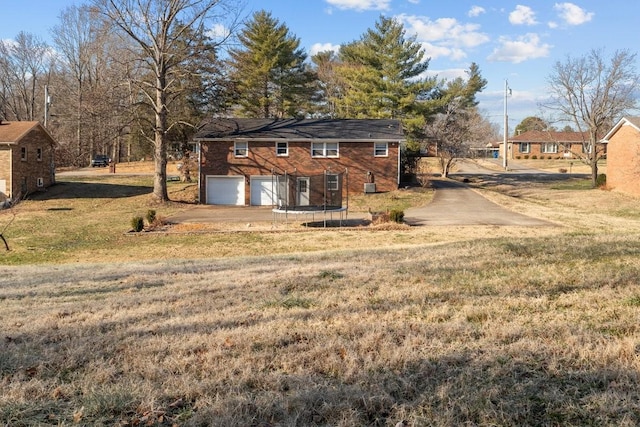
[269, 70]
[383, 75]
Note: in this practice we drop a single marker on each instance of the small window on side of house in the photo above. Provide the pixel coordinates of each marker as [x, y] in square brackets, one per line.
[317, 149]
[332, 149]
[381, 149]
[525, 147]
[282, 149]
[23, 153]
[40, 182]
[241, 148]
[333, 182]
[39, 154]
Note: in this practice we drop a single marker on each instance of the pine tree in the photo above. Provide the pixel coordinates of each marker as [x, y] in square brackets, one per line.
[382, 74]
[269, 70]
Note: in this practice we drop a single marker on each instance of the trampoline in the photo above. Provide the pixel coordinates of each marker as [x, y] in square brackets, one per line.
[322, 195]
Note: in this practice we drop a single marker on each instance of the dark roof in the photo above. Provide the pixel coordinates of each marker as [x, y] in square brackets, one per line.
[301, 129]
[550, 136]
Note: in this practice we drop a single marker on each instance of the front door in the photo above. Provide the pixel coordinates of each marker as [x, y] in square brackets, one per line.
[303, 191]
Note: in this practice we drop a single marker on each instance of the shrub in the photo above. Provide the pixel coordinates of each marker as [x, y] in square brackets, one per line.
[526, 157]
[396, 216]
[534, 157]
[151, 216]
[601, 180]
[517, 157]
[137, 223]
[562, 170]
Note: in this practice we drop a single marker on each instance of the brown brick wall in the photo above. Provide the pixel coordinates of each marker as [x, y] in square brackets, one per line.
[26, 173]
[217, 158]
[623, 161]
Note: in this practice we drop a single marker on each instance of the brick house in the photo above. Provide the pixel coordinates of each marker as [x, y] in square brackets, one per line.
[26, 159]
[245, 161]
[545, 144]
[623, 156]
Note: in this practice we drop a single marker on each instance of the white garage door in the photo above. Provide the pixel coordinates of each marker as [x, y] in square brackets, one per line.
[263, 191]
[225, 190]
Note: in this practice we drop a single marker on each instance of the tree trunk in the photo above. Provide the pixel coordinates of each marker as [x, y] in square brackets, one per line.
[594, 173]
[160, 152]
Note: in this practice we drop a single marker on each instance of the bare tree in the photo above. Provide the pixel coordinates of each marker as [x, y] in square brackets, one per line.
[160, 29]
[23, 61]
[592, 92]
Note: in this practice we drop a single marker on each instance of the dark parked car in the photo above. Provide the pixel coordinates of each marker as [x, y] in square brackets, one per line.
[100, 160]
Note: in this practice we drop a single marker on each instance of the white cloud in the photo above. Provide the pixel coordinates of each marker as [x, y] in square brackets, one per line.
[476, 11]
[523, 15]
[552, 24]
[323, 47]
[444, 37]
[524, 48]
[414, 1]
[449, 74]
[360, 5]
[434, 51]
[218, 32]
[572, 14]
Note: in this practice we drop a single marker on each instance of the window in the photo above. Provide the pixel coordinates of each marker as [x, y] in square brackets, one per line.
[333, 182]
[549, 147]
[39, 154]
[282, 148]
[40, 182]
[380, 149]
[525, 147]
[324, 149]
[241, 148]
[586, 148]
[23, 153]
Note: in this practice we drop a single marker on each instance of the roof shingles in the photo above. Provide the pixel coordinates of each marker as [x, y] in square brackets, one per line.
[302, 129]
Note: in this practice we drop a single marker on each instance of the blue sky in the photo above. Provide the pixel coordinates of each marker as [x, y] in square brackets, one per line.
[515, 40]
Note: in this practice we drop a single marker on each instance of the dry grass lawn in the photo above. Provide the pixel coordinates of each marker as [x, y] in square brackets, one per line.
[341, 327]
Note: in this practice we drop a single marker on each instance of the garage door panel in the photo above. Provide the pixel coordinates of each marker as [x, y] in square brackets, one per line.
[225, 190]
[262, 191]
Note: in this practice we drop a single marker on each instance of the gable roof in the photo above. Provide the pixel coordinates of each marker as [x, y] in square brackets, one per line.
[12, 132]
[549, 136]
[302, 129]
[633, 121]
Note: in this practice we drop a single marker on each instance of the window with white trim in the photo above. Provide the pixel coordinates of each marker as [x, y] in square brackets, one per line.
[525, 147]
[549, 148]
[39, 154]
[241, 148]
[282, 149]
[324, 149]
[23, 153]
[333, 182]
[381, 149]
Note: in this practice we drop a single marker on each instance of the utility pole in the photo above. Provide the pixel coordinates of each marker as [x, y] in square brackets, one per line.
[47, 103]
[507, 91]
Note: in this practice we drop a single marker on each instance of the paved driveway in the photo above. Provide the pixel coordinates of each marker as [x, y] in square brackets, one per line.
[455, 203]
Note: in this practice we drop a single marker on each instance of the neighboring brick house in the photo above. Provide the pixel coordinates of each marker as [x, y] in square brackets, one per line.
[26, 159]
[623, 156]
[545, 144]
[239, 158]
